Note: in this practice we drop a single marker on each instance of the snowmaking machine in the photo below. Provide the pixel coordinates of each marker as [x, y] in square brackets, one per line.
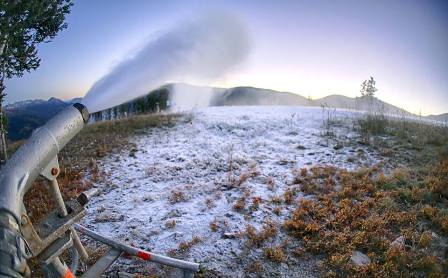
[20, 239]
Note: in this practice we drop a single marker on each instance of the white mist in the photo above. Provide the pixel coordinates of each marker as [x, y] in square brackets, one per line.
[204, 49]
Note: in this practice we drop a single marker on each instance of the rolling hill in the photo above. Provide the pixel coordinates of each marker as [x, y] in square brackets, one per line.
[25, 116]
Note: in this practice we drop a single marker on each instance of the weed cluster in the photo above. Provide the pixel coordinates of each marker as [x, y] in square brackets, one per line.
[256, 239]
[274, 254]
[417, 134]
[184, 247]
[176, 196]
[399, 221]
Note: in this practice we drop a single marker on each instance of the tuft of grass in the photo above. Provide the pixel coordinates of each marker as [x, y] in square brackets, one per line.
[274, 254]
[373, 124]
[255, 267]
[368, 213]
[240, 204]
[214, 225]
[176, 196]
[170, 224]
[255, 238]
[289, 196]
[256, 201]
[184, 247]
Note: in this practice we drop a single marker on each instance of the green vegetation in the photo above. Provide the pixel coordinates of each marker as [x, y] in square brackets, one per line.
[23, 26]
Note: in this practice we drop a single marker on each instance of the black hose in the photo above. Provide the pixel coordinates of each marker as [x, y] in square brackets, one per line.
[74, 255]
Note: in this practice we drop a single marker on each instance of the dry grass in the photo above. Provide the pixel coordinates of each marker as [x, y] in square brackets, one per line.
[256, 201]
[368, 213]
[255, 238]
[255, 267]
[243, 177]
[289, 196]
[270, 182]
[184, 247]
[240, 204]
[170, 224]
[176, 196]
[424, 137]
[214, 225]
[274, 254]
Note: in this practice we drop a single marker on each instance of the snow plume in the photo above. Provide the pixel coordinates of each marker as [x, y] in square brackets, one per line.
[203, 50]
[185, 97]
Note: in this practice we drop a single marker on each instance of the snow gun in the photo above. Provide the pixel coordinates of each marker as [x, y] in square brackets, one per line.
[46, 240]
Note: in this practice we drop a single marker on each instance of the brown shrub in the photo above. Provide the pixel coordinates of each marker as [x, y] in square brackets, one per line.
[176, 196]
[274, 254]
[256, 201]
[170, 224]
[370, 211]
[254, 268]
[270, 183]
[255, 238]
[240, 204]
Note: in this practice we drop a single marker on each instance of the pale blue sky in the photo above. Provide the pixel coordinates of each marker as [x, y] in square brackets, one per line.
[314, 48]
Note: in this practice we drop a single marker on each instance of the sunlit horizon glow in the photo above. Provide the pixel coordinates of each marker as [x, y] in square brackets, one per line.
[311, 48]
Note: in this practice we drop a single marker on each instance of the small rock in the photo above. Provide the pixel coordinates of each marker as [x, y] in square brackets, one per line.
[398, 242]
[359, 259]
[229, 235]
[338, 146]
[172, 214]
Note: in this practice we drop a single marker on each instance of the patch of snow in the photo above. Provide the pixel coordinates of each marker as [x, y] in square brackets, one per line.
[359, 259]
[195, 157]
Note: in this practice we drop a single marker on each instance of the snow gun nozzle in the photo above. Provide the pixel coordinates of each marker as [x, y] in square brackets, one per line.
[83, 110]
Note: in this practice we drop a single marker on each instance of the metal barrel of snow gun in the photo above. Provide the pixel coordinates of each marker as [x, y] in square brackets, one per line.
[17, 176]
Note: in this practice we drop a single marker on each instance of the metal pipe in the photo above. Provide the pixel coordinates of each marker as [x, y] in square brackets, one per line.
[85, 196]
[56, 269]
[102, 264]
[30, 160]
[54, 187]
[57, 196]
[145, 255]
[18, 174]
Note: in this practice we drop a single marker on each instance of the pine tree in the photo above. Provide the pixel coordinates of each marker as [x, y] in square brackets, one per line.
[368, 87]
[23, 25]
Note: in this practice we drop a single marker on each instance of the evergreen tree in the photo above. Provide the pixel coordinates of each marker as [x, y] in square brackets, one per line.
[23, 25]
[368, 87]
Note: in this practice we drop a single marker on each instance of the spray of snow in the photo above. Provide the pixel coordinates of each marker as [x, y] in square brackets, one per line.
[200, 51]
[185, 97]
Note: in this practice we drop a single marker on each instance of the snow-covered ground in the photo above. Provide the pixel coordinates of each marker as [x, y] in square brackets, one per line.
[201, 158]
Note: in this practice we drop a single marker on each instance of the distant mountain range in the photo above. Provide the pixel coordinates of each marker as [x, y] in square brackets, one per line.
[25, 116]
[442, 117]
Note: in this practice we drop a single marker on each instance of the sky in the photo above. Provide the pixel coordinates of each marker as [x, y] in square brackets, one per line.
[312, 48]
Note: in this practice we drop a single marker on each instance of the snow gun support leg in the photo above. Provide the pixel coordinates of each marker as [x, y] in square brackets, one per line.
[118, 248]
[46, 240]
